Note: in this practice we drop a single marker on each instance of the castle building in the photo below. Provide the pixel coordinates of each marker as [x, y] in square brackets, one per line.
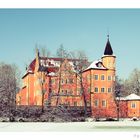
[57, 81]
[101, 84]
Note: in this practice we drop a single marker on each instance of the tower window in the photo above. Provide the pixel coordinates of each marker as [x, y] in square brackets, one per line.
[109, 90]
[102, 77]
[96, 89]
[103, 90]
[96, 77]
[109, 78]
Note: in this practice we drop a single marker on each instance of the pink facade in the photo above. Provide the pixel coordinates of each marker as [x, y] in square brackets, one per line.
[54, 81]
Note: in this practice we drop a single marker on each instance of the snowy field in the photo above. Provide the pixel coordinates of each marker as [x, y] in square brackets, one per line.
[72, 127]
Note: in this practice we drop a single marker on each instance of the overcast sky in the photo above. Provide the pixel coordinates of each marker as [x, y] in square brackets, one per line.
[76, 29]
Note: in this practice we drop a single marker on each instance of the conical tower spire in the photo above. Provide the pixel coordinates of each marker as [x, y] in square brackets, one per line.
[108, 48]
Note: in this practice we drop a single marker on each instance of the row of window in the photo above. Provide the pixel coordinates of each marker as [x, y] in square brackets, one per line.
[95, 77]
[68, 103]
[96, 89]
[103, 103]
[67, 91]
[102, 77]
[64, 81]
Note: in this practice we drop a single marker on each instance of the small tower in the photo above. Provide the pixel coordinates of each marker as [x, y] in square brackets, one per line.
[108, 59]
[37, 60]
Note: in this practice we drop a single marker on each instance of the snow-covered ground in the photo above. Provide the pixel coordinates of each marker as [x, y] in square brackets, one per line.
[72, 127]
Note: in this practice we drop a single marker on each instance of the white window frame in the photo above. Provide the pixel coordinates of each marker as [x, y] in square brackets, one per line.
[95, 90]
[105, 103]
[102, 88]
[108, 77]
[110, 90]
[96, 103]
[95, 76]
[104, 77]
[133, 107]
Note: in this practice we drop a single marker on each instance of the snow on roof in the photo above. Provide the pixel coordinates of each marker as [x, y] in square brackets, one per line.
[97, 64]
[121, 98]
[52, 74]
[132, 97]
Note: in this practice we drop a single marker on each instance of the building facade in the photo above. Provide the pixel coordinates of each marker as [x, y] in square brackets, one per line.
[57, 81]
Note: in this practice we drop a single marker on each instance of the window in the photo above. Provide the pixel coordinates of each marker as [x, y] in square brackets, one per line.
[75, 103]
[99, 65]
[88, 90]
[96, 77]
[70, 92]
[96, 102]
[109, 78]
[66, 81]
[52, 81]
[88, 103]
[70, 81]
[102, 77]
[96, 89]
[103, 103]
[68, 103]
[109, 90]
[133, 105]
[62, 81]
[102, 89]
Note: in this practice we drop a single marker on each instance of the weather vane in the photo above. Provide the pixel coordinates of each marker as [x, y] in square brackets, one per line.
[108, 33]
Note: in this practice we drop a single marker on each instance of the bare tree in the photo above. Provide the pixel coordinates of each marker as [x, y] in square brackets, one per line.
[44, 52]
[41, 75]
[80, 64]
[132, 84]
[119, 88]
[9, 84]
[61, 53]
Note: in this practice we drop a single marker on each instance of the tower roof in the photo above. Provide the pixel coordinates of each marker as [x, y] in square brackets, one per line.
[108, 48]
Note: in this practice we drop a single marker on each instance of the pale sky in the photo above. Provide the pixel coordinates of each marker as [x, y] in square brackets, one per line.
[76, 29]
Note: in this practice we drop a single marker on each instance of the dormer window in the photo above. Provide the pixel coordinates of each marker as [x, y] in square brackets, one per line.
[99, 65]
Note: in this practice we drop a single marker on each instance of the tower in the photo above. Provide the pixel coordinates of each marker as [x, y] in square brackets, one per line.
[108, 59]
[37, 60]
[103, 103]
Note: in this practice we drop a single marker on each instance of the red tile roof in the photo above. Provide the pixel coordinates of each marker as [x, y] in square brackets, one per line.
[32, 64]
